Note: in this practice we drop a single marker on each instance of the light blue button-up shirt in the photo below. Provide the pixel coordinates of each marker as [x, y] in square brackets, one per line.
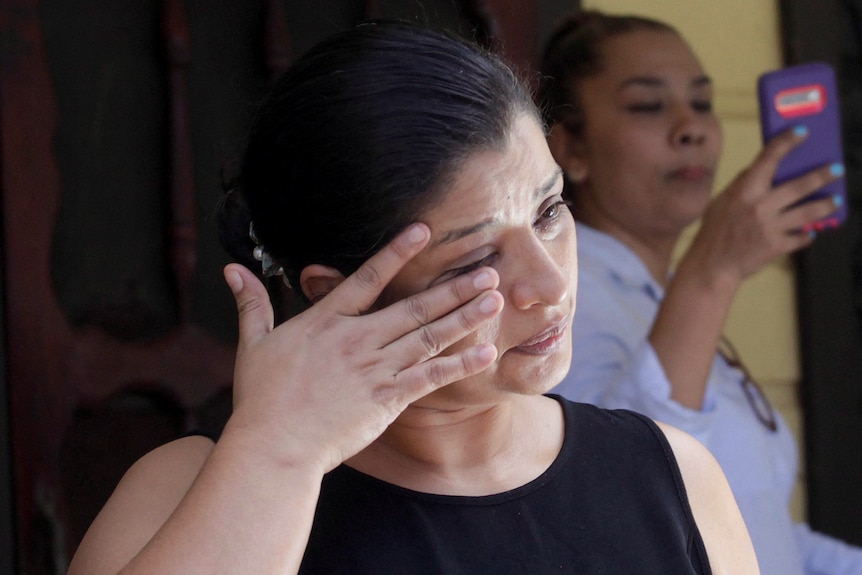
[614, 366]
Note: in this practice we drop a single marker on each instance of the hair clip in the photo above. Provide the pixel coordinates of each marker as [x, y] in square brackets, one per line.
[267, 265]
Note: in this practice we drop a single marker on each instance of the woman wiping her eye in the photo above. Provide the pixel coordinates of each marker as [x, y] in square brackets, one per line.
[401, 422]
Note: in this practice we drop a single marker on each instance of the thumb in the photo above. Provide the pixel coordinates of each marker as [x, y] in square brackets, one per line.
[252, 304]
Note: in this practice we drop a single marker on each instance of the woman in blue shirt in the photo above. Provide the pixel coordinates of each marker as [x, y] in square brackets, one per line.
[631, 123]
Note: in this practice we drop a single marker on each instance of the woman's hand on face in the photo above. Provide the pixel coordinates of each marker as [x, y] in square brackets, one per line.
[325, 384]
[751, 222]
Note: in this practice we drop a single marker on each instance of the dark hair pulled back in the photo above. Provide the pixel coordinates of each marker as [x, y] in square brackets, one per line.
[573, 52]
[360, 136]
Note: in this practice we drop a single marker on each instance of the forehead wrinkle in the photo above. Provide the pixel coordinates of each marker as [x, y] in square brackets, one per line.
[500, 172]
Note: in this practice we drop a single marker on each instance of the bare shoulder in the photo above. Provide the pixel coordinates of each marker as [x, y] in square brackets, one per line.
[694, 460]
[713, 505]
[141, 503]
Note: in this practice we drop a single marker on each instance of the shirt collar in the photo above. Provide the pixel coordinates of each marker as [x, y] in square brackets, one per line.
[605, 252]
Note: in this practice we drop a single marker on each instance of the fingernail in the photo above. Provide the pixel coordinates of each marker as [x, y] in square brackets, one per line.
[838, 200]
[488, 304]
[483, 281]
[800, 131]
[234, 281]
[416, 234]
[837, 169]
[486, 353]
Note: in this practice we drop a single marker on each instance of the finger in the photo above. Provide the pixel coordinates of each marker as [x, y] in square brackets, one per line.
[801, 217]
[778, 147]
[424, 307]
[429, 340]
[791, 192]
[361, 289]
[421, 379]
[794, 240]
[252, 303]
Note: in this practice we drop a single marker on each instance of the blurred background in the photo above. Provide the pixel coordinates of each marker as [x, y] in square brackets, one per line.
[119, 121]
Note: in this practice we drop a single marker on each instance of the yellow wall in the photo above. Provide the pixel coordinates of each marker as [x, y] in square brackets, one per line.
[737, 40]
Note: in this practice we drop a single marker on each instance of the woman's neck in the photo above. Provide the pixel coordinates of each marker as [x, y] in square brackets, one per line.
[470, 451]
[654, 249]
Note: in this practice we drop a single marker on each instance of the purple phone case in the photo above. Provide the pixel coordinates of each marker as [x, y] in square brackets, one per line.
[806, 95]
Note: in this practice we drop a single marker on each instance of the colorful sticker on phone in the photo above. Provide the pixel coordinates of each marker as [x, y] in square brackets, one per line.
[800, 101]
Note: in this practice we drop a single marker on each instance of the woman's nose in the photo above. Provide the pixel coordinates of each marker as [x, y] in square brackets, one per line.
[690, 129]
[543, 277]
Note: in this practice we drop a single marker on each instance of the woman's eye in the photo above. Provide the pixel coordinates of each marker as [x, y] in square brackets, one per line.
[486, 261]
[645, 108]
[551, 214]
[552, 211]
[704, 106]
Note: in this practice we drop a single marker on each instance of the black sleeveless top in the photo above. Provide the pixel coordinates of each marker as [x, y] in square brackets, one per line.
[613, 502]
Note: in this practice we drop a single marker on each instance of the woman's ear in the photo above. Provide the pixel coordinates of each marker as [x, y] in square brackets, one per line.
[317, 281]
[569, 152]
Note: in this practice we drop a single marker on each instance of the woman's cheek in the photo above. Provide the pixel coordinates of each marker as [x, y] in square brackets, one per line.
[487, 333]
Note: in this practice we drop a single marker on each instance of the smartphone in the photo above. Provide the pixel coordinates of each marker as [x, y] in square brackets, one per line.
[806, 95]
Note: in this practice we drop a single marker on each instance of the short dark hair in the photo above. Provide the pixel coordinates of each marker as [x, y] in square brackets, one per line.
[360, 136]
[573, 52]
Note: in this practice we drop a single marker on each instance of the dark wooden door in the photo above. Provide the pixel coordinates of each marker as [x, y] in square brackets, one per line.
[830, 284]
[117, 119]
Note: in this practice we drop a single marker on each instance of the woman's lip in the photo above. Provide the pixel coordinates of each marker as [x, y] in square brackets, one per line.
[691, 173]
[546, 341]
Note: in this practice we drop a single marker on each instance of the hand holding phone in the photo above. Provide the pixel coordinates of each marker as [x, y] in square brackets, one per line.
[806, 95]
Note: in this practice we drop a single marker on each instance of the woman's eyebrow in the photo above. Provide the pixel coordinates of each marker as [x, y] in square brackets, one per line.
[702, 81]
[457, 234]
[550, 182]
[657, 82]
